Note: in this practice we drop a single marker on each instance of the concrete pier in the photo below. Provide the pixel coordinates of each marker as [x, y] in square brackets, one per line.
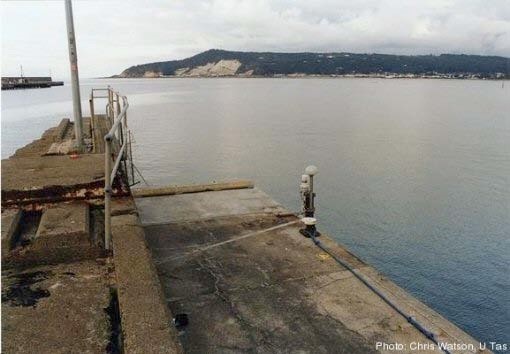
[235, 263]
[224, 255]
[59, 289]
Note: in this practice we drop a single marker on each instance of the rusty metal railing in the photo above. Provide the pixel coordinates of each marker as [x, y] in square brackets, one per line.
[116, 146]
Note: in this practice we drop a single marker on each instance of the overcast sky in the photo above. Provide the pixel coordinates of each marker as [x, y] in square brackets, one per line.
[114, 35]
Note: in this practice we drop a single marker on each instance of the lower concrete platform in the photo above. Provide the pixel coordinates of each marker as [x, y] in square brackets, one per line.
[39, 179]
[48, 170]
[59, 233]
[236, 264]
[57, 309]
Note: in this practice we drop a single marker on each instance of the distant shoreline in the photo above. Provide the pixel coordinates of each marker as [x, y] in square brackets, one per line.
[310, 77]
[223, 63]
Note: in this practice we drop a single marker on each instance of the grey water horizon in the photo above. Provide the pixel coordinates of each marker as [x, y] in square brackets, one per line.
[414, 174]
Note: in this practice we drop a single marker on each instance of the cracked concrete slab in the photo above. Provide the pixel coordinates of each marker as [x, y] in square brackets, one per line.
[189, 207]
[250, 282]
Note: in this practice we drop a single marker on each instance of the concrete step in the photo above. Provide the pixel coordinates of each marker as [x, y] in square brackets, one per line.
[62, 226]
[63, 235]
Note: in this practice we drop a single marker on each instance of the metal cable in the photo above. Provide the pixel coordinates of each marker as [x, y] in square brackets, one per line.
[140, 174]
[430, 335]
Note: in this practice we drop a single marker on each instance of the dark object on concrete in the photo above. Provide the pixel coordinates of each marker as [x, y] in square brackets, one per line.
[20, 292]
[181, 320]
[114, 346]
[309, 231]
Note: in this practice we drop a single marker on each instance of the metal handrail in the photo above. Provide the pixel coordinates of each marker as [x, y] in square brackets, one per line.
[118, 132]
[119, 122]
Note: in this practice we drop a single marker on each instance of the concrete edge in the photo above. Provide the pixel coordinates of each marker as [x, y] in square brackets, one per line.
[445, 330]
[62, 129]
[10, 224]
[192, 188]
[145, 318]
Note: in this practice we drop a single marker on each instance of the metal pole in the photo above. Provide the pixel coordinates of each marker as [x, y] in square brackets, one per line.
[111, 111]
[131, 158]
[73, 59]
[312, 197]
[107, 193]
[91, 102]
[92, 126]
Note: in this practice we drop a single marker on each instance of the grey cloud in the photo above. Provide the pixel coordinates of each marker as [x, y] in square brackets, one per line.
[114, 35]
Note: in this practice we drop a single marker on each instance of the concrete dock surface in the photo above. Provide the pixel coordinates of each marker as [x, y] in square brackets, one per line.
[59, 289]
[212, 268]
[235, 263]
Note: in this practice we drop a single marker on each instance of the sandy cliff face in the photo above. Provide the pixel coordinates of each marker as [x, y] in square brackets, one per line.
[221, 68]
[213, 69]
[147, 74]
[151, 74]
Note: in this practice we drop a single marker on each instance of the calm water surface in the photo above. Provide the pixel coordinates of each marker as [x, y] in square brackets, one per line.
[414, 175]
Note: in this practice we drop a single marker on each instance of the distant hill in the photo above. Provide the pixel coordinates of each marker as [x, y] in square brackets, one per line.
[217, 62]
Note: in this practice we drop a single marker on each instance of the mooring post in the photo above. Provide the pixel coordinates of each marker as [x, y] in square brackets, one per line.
[308, 196]
[75, 82]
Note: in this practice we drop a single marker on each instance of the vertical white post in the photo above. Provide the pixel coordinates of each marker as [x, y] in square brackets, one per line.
[75, 82]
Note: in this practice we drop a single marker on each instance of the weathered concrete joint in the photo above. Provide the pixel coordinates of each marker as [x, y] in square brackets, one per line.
[146, 320]
[193, 188]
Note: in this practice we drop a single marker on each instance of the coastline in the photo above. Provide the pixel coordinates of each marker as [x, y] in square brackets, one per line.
[355, 76]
